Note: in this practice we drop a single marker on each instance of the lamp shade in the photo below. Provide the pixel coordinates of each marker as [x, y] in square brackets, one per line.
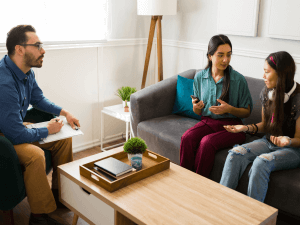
[156, 7]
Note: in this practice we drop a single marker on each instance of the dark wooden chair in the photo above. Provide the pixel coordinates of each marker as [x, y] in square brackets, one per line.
[12, 186]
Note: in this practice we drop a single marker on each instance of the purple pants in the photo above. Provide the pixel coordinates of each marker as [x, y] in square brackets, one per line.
[200, 143]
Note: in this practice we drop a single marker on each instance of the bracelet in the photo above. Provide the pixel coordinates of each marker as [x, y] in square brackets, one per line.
[289, 140]
[253, 132]
[247, 128]
[256, 128]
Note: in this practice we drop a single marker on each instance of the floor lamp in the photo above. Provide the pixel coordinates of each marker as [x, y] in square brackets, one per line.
[156, 9]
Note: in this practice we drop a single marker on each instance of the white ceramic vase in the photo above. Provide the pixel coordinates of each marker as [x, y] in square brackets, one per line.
[136, 161]
[133, 155]
[128, 104]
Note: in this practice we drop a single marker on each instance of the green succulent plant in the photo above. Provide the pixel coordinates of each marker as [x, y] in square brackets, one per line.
[135, 145]
[125, 92]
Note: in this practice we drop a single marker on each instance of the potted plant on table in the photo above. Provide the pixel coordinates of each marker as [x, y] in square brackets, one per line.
[124, 93]
[135, 147]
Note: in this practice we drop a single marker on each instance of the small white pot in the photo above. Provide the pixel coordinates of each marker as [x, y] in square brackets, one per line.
[137, 162]
[132, 155]
[128, 104]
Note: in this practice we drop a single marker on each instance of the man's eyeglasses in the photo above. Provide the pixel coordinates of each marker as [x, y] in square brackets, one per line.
[39, 46]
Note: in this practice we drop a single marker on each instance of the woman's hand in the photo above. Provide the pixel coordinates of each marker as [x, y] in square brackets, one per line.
[235, 128]
[221, 109]
[280, 141]
[197, 107]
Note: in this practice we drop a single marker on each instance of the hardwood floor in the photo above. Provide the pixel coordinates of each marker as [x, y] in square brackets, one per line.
[64, 216]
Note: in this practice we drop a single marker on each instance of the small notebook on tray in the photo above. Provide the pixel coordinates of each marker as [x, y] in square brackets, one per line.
[113, 167]
[103, 174]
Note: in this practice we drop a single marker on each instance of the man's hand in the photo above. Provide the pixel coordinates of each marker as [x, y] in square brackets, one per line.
[221, 109]
[72, 120]
[54, 125]
[26, 123]
[280, 141]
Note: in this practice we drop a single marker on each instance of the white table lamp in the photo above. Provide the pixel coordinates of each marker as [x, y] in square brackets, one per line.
[156, 9]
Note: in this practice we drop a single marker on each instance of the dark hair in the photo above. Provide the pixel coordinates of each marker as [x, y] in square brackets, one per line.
[285, 67]
[213, 45]
[17, 35]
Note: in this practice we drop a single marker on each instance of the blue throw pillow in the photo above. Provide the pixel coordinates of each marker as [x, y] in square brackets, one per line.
[183, 103]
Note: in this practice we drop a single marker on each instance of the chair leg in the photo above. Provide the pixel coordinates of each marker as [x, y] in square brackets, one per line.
[8, 217]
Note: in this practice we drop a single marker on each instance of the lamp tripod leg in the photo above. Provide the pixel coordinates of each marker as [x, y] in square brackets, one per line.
[159, 49]
[149, 47]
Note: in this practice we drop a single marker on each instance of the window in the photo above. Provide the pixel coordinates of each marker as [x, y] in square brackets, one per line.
[57, 20]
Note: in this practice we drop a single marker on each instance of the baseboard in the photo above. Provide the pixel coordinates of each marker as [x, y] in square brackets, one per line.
[97, 142]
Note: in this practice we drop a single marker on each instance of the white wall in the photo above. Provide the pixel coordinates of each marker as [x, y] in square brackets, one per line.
[189, 32]
[125, 23]
[196, 21]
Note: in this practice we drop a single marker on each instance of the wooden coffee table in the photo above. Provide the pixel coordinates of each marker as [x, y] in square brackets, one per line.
[174, 196]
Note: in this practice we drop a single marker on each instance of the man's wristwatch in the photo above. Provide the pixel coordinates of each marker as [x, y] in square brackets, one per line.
[290, 140]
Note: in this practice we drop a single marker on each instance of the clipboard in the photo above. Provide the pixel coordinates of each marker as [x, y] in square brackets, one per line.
[65, 132]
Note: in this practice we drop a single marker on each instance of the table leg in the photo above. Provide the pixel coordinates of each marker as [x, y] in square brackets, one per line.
[272, 221]
[126, 131]
[120, 219]
[102, 130]
[131, 131]
[75, 219]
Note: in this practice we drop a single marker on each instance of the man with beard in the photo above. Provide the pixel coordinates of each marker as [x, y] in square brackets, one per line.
[18, 89]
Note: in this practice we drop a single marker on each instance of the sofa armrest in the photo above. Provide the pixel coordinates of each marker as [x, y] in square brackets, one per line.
[156, 100]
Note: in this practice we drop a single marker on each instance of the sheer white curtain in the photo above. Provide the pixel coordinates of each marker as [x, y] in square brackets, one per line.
[57, 21]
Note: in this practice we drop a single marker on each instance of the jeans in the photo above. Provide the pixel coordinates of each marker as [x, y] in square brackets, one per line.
[266, 157]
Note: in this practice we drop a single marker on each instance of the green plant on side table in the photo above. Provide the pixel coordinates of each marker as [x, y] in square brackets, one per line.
[135, 147]
[124, 93]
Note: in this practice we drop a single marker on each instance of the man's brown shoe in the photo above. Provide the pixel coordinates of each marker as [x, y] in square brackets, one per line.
[38, 220]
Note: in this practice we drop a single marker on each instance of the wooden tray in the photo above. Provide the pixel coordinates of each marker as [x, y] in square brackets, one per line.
[152, 163]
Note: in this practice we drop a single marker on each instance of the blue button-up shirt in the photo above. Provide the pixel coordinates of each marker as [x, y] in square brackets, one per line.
[17, 91]
[206, 89]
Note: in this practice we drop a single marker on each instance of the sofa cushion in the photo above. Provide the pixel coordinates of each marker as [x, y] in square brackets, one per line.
[183, 103]
[163, 134]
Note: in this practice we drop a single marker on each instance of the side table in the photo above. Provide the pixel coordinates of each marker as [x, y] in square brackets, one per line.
[116, 111]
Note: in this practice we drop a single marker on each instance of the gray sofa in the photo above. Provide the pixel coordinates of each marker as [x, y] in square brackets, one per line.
[152, 120]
